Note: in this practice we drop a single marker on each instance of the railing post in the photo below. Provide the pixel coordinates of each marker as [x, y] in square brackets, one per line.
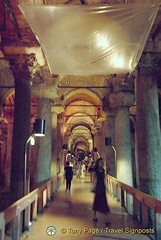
[108, 185]
[144, 215]
[48, 192]
[35, 205]
[135, 208]
[111, 188]
[158, 226]
[44, 197]
[52, 187]
[122, 198]
[114, 190]
[55, 185]
[118, 193]
[16, 225]
[2, 226]
[27, 217]
[129, 203]
[106, 182]
[40, 203]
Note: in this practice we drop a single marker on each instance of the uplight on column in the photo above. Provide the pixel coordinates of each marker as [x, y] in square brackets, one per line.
[32, 140]
[39, 128]
[38, 131]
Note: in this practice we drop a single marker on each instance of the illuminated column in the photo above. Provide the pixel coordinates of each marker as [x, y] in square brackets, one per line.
[98, 140]
[120, 100]
[56, 144]
[148, 130]
[45, 94]
[110, 150]
[90, 143]
[102, 148]
[44, 144]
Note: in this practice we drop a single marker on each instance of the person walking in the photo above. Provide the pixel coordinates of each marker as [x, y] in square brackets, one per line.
[100, 201]
[68, 176]
[91, 171]
[82, 169]
[96, 154]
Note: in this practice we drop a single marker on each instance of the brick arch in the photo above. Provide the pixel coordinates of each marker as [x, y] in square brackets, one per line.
[81, 107]
[74, 121]
[78, 134]
[82, 94]
[79, 141]
[8, 103]
[80, 144]
[8, 93]
[87, 119]
[81, 124]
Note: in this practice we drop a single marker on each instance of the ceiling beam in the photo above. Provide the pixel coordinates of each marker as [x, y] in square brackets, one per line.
[83, 86]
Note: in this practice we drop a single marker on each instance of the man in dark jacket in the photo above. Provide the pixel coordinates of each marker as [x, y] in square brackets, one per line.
[68, 175]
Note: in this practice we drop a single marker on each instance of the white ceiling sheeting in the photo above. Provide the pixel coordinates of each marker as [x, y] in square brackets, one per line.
[91, 40]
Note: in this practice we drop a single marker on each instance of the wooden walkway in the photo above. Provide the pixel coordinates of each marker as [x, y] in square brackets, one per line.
[70, 216]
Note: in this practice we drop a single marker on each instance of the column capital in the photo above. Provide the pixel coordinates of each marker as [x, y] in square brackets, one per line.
[24, 64]
[121, 97]
[122, 79]
[149, 71]
[57, 109]
[109, 113]
[44, 91]
[150, 65]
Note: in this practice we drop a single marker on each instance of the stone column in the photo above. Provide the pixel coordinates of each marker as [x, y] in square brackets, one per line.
[102, 147]
[110, 150]
[21, 127]
[45, 94]
[98, 143]
[8, 154]
[148, 139]
[54, 144]
[44, 143]
[120, 100]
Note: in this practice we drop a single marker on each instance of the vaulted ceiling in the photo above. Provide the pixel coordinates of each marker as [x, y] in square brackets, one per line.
[81, 96]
